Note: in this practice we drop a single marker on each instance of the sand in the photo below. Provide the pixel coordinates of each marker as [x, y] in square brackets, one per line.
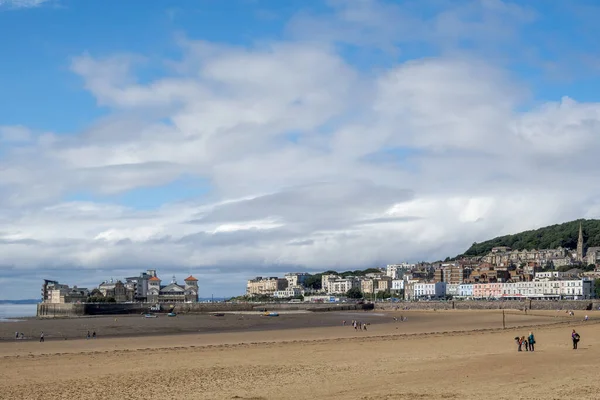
[433, 355]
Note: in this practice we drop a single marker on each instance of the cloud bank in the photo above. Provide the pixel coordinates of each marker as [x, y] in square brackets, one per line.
[308, 160]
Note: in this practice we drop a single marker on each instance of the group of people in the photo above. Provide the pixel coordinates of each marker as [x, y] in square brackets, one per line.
[357, 325]
[19, 335]
[93, 335]
[528, 342]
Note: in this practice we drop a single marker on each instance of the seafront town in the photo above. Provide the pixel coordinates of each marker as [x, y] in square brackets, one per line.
[503, 273]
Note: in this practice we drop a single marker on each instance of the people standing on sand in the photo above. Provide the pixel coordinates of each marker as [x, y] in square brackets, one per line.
[519, 343]
[531, 340]
[42, 337]
[525, 342]
[575, 338]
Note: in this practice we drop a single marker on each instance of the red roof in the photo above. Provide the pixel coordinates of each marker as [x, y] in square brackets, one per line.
[154, 278]
[190, 278]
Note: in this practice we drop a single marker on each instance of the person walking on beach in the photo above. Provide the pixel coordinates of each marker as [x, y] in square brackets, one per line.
[531, 340]
[575, 337]
[42, 337]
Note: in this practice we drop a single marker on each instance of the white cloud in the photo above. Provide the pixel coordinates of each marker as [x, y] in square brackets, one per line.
[311, 161]
[22, 3]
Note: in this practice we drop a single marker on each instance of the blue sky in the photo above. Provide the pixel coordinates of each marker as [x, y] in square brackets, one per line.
[125, 123]
[43, 40]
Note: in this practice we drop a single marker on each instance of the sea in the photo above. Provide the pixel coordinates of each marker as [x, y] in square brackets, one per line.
[10, 311]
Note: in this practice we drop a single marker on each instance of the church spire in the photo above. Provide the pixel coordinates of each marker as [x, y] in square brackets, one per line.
[580, 244]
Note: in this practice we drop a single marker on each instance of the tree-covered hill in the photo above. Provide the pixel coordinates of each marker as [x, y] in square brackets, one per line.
[549, 237]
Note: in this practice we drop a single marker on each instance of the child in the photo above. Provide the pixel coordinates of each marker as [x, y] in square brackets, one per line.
[519, 343]
[525, 342]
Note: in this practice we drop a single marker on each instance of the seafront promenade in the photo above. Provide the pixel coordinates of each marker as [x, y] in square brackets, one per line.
[46, 310]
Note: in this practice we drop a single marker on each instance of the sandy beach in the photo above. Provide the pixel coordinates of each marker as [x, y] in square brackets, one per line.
[433, 355]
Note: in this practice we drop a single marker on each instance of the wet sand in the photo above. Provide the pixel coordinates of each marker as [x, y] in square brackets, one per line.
[137, 325]
[433, 355]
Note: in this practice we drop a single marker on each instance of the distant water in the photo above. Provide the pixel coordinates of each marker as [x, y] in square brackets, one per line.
[17, 311]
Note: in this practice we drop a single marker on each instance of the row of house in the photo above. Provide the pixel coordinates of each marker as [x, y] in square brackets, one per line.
[544, 288]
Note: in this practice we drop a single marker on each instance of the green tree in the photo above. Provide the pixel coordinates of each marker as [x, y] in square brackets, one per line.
[549, 237]
[354, 293]
[313, 282]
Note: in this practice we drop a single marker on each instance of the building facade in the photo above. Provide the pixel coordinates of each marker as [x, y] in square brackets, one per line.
[260, 286]
[173, 292]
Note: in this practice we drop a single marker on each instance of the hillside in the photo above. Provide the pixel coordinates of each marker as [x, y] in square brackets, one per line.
[549, 237]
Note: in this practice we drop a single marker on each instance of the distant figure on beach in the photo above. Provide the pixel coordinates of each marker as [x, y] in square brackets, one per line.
[42, 337]
[365, 327]
[88, 335]
[586, 318]
[519, 343]
[343, 323]
[525, 342]
[16, 335]
[22, 335]
[94, 335]
[531, 340]
[575, 337]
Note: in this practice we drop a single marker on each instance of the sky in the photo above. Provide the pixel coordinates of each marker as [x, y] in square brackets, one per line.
[237, 138]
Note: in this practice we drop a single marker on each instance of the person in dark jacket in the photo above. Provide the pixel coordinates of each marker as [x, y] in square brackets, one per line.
[531, 340]
[575, 337]
[519, 343]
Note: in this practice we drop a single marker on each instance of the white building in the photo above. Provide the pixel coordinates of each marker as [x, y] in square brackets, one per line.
[294, 291]
[429, 290]
[325, 281]
[452, 289]
[465, 290]
[576, 289]
[296, 278]
[341, 285]
[552, 275]
[397, 285]
[396, 271]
